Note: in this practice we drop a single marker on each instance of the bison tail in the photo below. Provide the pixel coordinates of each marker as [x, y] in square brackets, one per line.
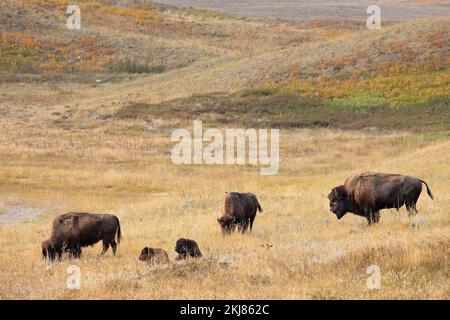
[119, 233]
[259, 206]
[428, 189]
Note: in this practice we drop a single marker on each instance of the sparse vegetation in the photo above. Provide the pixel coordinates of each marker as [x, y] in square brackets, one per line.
[282, 108]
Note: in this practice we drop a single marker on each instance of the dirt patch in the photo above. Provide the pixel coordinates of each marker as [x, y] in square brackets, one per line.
[16, 213]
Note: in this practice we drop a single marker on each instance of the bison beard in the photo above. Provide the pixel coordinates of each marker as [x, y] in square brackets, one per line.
[74, 230]
[239, 210]
[187, 248]
[368, 193]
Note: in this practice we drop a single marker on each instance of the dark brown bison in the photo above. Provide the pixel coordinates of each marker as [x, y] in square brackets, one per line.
[187, 248]
[154, 256]
[368, 193]
[74, 230]
[239, 210]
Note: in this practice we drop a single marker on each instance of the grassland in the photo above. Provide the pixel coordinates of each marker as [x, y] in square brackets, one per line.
[91, 134]
[313, 254]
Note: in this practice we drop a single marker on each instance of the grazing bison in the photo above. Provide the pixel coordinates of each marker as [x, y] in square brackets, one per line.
[187, 248]
[239, 210]
[74, 230]
[154, 256]
[368, 193]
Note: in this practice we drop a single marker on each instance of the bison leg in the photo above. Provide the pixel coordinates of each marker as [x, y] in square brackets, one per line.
[251, 222]
[376, 217]
[373, 217]
[244, 225]
[78, 251]
[75, 252]
[114, 246]
[411, 207]
[59, 254]
[72, 252]
[105, 247]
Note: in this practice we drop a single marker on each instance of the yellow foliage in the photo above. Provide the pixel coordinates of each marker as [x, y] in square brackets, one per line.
[16, 40]
[140, 16]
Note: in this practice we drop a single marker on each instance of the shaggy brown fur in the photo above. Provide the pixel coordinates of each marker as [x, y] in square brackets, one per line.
[368, 193]
[239, 210]
[154, 256]
[187, 248]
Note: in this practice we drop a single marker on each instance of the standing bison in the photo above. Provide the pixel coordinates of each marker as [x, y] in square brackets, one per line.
[74, 230]
[239, 210]
[368, 193]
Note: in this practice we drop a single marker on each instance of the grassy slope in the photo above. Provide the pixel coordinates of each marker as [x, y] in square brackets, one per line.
[394, 79]
[318, 73]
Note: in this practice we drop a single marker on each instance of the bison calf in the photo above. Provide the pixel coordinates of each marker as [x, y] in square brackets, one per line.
[368, 193]
[187, 248]
[239, 210]
[154, 256]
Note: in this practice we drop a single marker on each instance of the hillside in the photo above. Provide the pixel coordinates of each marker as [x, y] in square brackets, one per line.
[301, 10]
[164, 53]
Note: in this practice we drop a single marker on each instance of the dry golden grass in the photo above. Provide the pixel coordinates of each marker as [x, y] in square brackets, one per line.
[61, 151]
[313, 254]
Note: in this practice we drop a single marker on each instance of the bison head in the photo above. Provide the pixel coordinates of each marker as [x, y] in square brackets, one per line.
[50, 250]
[180, 246]
[227, 223]
[339, 203]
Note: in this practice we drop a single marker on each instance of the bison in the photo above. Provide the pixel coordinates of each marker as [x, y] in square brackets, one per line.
[239, 210]
[187, 248]
[74, 230]
[368, 193]
[154, 256]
